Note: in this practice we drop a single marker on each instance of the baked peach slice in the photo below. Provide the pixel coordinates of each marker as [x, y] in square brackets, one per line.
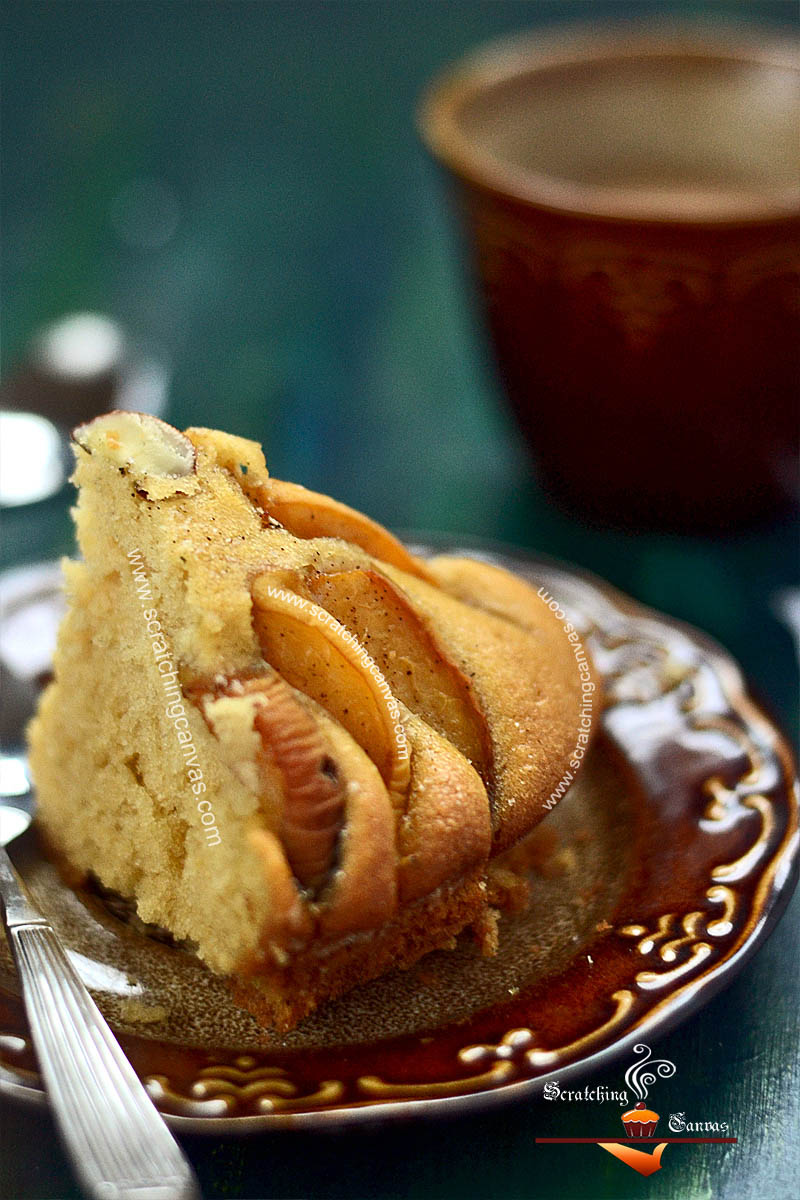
[362, 893]
[318, 656]
[409, 655]
[334, 822]
[301, 512]
[525, 680]
[275, 747]
[308, 514]
[491, 589]
[446, 830]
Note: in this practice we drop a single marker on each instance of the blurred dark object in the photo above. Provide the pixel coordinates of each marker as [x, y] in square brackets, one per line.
[82, 365]
[632, 199]
[77, 367]
[31, 608]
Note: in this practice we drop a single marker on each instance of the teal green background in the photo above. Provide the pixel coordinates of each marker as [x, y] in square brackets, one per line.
[312, 296]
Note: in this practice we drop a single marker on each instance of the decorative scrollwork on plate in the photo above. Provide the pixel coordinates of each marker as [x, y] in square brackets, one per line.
[228, 1089]
[379, 1089]
[692, 927]
[680, 942]
[512, 1057]
[524, 1043]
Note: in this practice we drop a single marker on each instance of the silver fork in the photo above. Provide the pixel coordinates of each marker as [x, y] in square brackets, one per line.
[120, 1147]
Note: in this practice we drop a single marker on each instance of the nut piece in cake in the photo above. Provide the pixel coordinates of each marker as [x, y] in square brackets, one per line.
[148, 449]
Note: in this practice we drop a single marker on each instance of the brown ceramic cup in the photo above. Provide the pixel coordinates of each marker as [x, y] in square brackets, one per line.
[632, 203]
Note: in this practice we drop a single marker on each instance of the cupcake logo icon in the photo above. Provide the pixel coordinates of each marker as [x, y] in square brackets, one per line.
[641, 1121]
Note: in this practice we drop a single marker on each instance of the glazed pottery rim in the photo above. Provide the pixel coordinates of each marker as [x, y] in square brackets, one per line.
[528, 53]
[773, 894]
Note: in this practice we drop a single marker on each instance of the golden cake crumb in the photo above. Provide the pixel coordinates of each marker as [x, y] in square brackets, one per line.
[289, 741]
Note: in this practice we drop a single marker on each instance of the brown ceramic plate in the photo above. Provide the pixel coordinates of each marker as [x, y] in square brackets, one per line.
[661, 872]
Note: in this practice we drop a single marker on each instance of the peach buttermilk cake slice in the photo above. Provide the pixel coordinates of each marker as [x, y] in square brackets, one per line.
[291, 743]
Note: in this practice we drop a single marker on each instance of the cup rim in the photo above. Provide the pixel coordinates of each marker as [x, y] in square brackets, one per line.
[524, 53]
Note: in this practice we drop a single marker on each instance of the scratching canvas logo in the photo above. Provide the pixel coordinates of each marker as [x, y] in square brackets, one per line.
[640, 1122]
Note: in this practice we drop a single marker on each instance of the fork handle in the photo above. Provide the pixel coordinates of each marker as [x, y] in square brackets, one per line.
[120, 1147]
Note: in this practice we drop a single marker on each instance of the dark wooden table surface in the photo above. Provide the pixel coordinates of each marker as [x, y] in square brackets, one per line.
[295, 268]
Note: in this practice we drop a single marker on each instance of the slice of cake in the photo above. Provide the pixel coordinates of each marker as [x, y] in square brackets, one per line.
[293, 744]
